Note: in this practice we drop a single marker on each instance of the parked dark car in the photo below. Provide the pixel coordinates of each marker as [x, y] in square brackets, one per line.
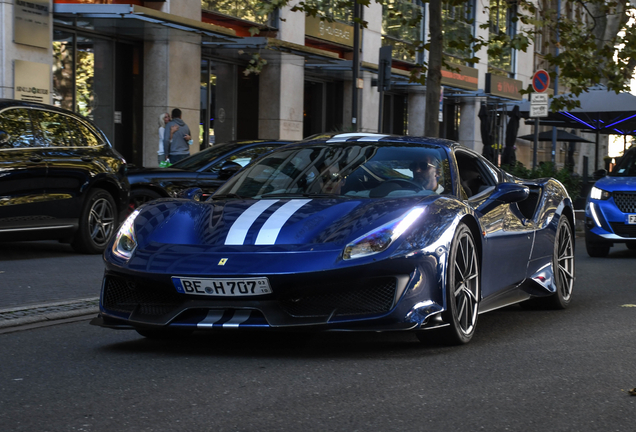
[207, 170]
[60, 178]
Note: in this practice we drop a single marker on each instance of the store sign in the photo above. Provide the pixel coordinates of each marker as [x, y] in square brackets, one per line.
[498, 85]
[337, 32]
[464, 77]
[32, 23]
[32, 81]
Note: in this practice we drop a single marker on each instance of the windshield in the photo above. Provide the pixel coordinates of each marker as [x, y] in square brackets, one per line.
[626, 166]
[368, 170]
[202, 158]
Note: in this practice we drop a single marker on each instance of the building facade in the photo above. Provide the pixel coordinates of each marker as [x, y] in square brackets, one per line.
[241, 74]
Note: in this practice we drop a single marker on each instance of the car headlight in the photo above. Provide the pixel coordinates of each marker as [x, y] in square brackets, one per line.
[381, 238]
[126, 241]
[599, 194]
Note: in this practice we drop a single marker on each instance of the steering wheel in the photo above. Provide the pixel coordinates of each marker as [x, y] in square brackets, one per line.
[390, 185]
[406, 184]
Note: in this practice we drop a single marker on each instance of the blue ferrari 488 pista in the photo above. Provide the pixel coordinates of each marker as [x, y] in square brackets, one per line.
[354, 231]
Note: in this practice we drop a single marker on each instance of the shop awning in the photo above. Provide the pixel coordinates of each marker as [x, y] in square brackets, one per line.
[146, 15]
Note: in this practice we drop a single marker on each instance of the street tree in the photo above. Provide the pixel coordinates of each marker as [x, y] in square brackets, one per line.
[594, 43]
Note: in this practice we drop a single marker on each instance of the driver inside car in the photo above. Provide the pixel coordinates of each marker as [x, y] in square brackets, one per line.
[426, 173]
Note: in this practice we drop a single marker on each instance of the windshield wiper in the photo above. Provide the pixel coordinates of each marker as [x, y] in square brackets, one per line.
[303, 194]
[230, 195]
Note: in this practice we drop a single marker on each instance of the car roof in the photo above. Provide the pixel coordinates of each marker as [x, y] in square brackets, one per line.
[351, 137]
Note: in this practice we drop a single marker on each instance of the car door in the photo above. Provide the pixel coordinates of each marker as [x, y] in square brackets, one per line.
[508, 236]
[214, 175]
[23, 172]
[72, 155]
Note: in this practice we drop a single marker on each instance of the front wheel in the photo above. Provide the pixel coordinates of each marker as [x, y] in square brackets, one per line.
[462, 291]
[596, 250]
[141, 196]
[97, 223]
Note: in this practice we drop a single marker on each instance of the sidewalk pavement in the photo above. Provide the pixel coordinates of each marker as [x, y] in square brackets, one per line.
[47, 281]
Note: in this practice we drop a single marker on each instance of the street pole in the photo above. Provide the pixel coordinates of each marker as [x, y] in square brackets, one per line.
[556, 84]
[355, 66]
[536, 142]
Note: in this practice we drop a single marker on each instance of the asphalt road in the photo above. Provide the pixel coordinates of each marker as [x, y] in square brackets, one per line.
[524, 370]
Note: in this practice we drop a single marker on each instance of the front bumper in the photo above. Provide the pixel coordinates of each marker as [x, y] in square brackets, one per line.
[399, 294]
[606, 223]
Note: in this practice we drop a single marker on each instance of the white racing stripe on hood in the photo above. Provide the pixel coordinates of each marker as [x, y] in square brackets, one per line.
[268, 234]
[240, 227]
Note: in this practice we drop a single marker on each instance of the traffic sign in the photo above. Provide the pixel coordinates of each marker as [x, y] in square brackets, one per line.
[540, 81]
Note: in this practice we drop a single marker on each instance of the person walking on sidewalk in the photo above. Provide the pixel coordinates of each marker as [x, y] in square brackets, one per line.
[176, 144]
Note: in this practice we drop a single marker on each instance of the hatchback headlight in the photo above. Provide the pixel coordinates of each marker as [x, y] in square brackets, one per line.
[599, 194]
[381, 238]
[126, 241]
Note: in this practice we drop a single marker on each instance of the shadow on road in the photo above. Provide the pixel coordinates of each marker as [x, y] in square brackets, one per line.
[35, 250]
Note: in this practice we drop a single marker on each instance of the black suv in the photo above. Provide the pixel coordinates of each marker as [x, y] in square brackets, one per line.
[60, 178]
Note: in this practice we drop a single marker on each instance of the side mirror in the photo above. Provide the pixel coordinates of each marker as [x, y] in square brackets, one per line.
[599, 174]
[504, 193]
[4, 137]
[194, 193]
[228, 169]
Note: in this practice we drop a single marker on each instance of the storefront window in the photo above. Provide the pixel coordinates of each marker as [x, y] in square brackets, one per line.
[83, 77]
[457, 25]
[248, 10]
[63, 70]
[394, 32]
[502, 14]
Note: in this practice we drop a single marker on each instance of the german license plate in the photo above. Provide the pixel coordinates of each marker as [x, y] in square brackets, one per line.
[222, 287]
[631, 219]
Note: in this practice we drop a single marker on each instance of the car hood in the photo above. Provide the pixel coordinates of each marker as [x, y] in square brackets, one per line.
[267, 224]
[612, 184]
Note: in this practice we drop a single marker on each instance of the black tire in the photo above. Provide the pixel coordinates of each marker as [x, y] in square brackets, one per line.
[631, 245]
[563, 267]
[596, 250]
[462, 292]
[164, 334]
[141, 196]
[97, 224]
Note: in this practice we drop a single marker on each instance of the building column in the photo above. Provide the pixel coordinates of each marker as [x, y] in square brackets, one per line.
[280, 98]
[417, 110]
[470, 124]
[172, 68]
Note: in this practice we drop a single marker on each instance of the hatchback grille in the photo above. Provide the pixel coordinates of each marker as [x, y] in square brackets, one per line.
[372, 297]
[623, 230]
[625, 201]
[122, 295]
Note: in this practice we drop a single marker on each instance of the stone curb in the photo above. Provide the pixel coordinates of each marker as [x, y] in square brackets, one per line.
[21, 315]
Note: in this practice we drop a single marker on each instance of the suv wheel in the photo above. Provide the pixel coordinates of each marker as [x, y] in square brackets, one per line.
[97, 223]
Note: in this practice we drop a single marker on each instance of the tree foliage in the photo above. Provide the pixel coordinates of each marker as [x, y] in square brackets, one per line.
[595, 46]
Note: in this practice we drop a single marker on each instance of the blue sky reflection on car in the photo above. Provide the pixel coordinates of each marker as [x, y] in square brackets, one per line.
[339, 233]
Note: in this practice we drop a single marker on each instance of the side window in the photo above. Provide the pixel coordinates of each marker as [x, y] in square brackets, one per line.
[242, 157]
[80, 135]
[16, 130]
[475, 176]
[53, 128]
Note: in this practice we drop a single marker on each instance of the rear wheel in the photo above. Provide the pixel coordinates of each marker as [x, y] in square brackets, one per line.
[563, 266]
[97, 223]
[462, 292]
[631, 245]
